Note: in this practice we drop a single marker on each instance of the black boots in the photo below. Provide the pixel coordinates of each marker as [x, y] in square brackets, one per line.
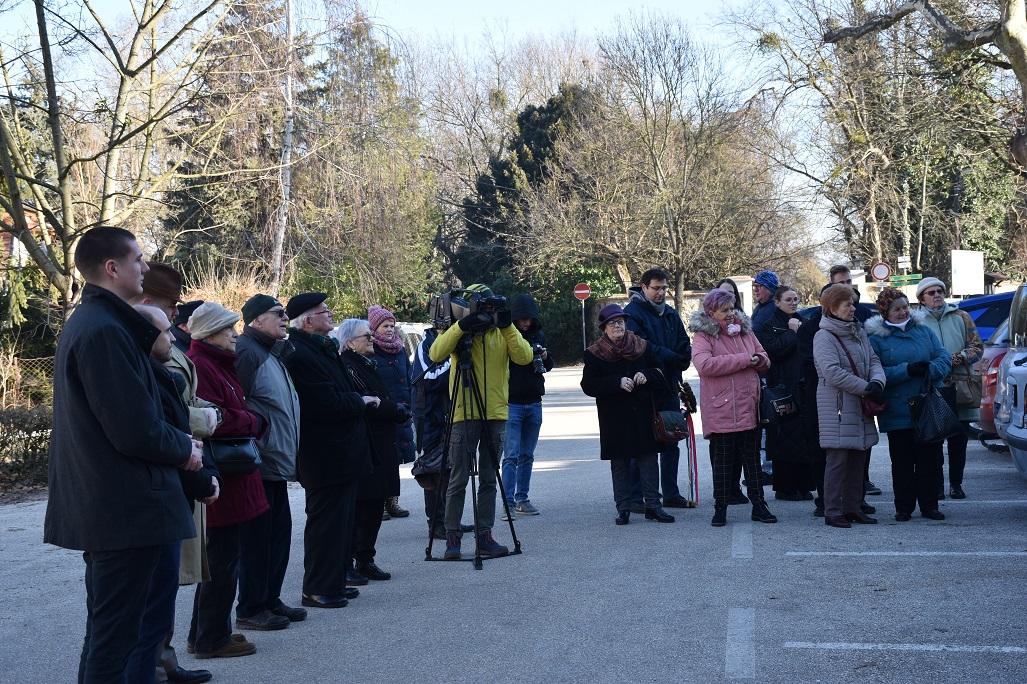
[760, 513]
[623, 517]
[719, 516]
[659, 515]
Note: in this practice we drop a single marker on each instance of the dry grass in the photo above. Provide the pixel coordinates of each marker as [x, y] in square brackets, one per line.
[229, 285]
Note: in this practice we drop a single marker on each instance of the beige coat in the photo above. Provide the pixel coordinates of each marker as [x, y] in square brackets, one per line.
[193, 568]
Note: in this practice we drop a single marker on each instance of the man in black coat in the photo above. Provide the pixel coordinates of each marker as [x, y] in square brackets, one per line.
[652, 319]
[334, 451]
[114, 489]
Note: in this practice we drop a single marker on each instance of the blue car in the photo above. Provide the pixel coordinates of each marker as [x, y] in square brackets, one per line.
[988, 311]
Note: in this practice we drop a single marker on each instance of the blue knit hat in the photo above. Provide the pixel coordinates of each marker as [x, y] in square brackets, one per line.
[767, 279]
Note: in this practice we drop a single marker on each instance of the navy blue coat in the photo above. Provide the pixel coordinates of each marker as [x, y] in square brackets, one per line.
[669, 343]
[395, 374]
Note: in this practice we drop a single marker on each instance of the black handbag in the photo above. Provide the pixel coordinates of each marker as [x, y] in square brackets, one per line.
[429, 466]
[776, 404]
[233, 455]
[934, 419]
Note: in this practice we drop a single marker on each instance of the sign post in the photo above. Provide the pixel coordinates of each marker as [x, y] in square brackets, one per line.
[880, 271]
[582, 292]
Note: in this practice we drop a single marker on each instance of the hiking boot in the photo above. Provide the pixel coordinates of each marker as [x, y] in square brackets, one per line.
[385, 512]
[264, 621]
[393, 509]
[623, 518]
[526, 508]
[719, 516]
[489, 547]
[452, 547]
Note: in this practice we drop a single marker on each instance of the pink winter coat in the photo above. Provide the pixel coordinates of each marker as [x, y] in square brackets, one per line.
[729, 388]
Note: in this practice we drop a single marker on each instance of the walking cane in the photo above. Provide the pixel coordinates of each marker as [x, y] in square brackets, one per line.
[690, 407]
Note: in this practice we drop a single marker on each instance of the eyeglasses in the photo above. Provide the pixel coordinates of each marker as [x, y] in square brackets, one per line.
[278, 312]
[322, 311]
[658, 288]
[934, 293]
[367, 336]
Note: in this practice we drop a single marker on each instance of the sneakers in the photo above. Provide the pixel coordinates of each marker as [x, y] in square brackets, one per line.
[233, 649]
[489, 547]
[264, 621]
[526, 508]
[452, 547]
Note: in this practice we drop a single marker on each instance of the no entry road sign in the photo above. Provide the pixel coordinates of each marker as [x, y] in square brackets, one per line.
[582, 291]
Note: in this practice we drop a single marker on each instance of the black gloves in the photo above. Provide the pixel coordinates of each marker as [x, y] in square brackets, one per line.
[917, 369]
[875, 390]
[475, 323]
[402, 413]
[504, 318]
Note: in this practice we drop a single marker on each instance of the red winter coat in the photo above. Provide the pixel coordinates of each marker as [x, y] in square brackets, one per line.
[729, 387]
[242, 496]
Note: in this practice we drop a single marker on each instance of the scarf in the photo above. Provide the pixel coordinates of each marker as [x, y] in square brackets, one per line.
[901, 326]
[937, 311]
[630, 347]
[389, 345]
[730, 329]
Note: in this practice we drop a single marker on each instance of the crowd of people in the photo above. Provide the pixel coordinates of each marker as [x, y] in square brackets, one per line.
[812, 391]
[175, 435]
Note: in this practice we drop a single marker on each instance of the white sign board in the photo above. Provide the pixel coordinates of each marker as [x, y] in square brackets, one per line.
[967, 272]
[904, 262]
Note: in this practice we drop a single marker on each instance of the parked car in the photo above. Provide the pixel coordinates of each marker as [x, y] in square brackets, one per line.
[1011, 390]
[988, 311]
[995, 348]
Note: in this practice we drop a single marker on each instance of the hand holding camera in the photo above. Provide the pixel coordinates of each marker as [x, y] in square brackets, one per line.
[476, 323]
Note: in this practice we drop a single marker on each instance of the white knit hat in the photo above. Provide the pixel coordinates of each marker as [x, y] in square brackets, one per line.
[209, 318]
[924, 284]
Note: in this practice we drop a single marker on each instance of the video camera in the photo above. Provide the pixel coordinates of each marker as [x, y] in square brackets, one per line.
[448, 308]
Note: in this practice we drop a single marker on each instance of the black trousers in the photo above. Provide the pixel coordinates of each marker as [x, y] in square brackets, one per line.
[117, 586]
[159, 619]
[728, 450]
[211, 624]
[914, 471]
[327, 538]
[641, 470]
[264, 553]
[957, 458]
[793, 477]
[368, 520]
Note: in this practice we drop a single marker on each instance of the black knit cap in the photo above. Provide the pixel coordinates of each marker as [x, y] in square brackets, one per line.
[256, 305]
[305, 301]
[186, 310]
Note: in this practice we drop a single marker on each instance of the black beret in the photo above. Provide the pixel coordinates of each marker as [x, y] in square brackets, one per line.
[257, 305]
[305, 301]
[186, 310]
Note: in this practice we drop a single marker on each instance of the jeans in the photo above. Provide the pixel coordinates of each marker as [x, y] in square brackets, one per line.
[117, 587]
[159, 618]
[211, 625]
[522, 428]
[264, 553]
[467, 437]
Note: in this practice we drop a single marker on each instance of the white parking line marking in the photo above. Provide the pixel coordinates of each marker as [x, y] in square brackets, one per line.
[955, 648]
[993, 502]
[984, 554]
[740, 651]
[741, 541]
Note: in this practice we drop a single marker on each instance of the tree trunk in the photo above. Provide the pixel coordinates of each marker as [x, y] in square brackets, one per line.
[282, 215]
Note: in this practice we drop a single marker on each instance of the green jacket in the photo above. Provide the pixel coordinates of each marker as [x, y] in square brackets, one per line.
[491, 355]
[958, 334]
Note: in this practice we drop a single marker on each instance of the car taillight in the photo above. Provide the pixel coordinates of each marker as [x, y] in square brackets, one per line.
[991, 375]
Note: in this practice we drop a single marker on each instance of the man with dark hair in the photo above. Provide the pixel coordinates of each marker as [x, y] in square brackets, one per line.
[111, 450]
[651, 318]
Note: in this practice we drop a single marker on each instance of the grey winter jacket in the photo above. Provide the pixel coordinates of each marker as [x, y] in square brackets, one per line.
[842, 423]
[259, 363]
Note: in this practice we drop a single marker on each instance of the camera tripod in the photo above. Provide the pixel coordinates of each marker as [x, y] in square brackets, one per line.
[465, 383]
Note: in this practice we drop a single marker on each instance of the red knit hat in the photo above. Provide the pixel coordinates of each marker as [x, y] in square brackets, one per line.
[376, 315]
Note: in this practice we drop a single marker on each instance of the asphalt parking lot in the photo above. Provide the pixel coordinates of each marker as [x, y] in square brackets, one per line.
[590, 601]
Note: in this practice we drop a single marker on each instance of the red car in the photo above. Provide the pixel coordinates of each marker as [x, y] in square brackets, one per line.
[995, 349]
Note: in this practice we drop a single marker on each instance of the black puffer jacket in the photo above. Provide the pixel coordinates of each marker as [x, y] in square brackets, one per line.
[526, 384]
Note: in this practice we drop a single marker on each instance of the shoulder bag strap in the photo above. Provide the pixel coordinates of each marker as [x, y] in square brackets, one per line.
[848, 355]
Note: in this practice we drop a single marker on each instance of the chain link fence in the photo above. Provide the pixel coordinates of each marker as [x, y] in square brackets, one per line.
[26, 418]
